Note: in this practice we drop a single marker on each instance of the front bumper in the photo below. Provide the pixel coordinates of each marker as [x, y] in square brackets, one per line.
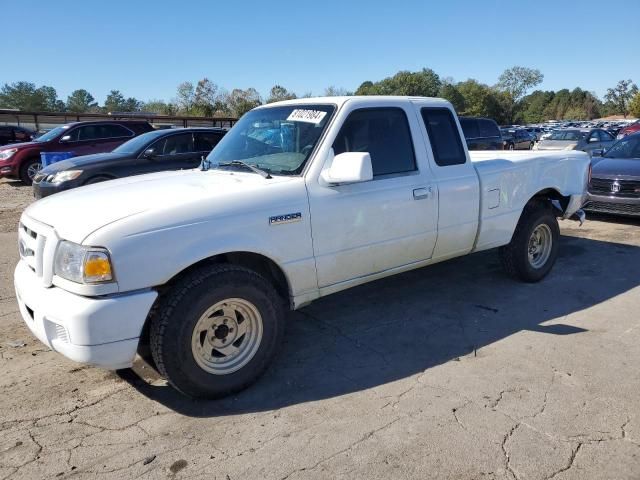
[613, 205]
[8, 169]
[44, 189]
[101, 331]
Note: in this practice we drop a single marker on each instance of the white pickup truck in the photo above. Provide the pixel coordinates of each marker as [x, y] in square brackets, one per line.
[300, 199]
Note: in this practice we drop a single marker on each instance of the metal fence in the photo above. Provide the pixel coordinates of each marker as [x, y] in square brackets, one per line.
[47, 120]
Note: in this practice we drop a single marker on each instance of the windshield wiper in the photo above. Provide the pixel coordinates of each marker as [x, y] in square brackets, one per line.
[240, 163]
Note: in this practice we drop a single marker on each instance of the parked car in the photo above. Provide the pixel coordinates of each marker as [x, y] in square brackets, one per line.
[615, 179]
[173, 149]
[22, 160]
[14, 134]
[572, 139]
[536, 132]
[629, 130]
[200, 266]
[518, 139]
[481, 133]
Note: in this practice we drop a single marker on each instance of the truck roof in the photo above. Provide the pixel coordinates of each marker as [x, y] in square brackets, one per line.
[364, 100]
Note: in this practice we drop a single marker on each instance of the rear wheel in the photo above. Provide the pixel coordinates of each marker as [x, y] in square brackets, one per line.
[216, 331]
[533, 249]
[29, 169]
[511, 146]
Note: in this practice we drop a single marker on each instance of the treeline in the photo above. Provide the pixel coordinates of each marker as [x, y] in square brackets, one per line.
[508, 101]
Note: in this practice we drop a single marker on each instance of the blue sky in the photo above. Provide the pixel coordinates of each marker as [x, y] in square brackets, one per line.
[144, 49]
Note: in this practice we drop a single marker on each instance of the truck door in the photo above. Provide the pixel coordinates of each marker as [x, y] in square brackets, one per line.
[366, 228]
[458, 184]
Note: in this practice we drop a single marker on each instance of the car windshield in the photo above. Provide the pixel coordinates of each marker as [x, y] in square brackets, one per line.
[138, 143]
[626, 148]
[51, 134]
[566, 135]
[278, 140]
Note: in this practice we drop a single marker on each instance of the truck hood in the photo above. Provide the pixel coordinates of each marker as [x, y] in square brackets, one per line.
[77, 213]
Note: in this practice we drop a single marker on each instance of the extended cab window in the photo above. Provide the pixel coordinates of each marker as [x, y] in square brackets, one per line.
[444, 137]
[174, 144]
[383, 133]
[205, 141]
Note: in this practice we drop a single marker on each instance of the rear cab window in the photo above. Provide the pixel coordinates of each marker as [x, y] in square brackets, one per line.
[444, 136]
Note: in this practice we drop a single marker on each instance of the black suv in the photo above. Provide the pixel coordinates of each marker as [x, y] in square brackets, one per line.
[481, 133]
[14, 134]
[517, 139]
[156, 151]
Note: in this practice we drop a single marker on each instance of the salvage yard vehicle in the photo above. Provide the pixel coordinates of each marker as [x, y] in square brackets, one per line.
[615, 184]
[300, 199]
[156, 151]
[573, 139]
[481, 133]
[22, 160]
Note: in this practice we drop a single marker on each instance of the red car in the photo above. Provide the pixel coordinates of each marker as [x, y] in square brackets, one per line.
[628, 130]
[22, 160]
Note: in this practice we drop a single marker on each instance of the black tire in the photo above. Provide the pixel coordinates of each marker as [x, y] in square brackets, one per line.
[26, 167]
[531, 145]
[177, 313]
[511, 146]
[515, 256]
[97, 179]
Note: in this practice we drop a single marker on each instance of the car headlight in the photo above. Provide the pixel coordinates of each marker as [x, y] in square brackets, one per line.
[571, 146]
[7, 154]
[64, 176]
[81, 264]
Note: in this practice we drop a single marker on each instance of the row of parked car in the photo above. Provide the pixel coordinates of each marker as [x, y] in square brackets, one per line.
[105, 150]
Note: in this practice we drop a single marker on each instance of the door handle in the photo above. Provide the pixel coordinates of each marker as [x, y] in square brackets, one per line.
[422, 193]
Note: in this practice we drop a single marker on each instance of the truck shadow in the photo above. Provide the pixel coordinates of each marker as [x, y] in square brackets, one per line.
[403, 325]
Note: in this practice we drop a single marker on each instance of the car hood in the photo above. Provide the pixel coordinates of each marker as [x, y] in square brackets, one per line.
[615, 167]
[555, 144]
[21, 145]
[77, 213]
[85, 161]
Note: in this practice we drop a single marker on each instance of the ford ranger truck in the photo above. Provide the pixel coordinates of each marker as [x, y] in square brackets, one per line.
[301, 199]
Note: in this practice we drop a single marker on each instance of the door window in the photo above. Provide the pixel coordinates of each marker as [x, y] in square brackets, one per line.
[470, 127]
[488, 128]
[605, 137]
[444, 137]
[383, 133]
[114, 131]
[174, 144]
[205, 141]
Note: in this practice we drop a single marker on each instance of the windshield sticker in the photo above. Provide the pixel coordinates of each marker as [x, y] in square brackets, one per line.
[309, 116]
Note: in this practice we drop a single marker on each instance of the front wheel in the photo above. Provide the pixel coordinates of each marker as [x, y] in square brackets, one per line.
[533, 249]
[216, 331]
[29, 169]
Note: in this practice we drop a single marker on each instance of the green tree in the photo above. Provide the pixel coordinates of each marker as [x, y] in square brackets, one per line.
[514, 84]
[158, 106]
[333, 91]
[634, 105]
[279, 93]
[480, 100]
[185, 97]
[425, 83]
[25, 96]
[205, 97]
[238, 101]
[450, 92]
[80, 101]
[621, 95]
[116, 102]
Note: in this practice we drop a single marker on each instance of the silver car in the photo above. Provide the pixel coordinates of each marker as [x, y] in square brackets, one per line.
[574, 139]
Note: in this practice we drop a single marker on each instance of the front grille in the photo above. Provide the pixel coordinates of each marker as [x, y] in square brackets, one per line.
[37, 243]
[616, 208]
[615, 188]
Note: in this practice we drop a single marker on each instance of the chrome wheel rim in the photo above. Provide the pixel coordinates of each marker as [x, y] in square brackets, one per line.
[540, 244]
[227, 336]
[33, 169]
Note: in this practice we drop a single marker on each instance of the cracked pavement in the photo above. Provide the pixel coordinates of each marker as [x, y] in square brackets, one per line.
[452, 371]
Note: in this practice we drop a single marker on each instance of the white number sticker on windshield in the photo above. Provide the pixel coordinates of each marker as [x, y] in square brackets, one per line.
[309, 116]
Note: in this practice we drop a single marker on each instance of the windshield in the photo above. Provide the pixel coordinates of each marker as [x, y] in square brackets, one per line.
[51, 134]
[625, 148]
[138, 143]
[566, 135]
[278, 140]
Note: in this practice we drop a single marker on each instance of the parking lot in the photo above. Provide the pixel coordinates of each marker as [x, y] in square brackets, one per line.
[452, 371]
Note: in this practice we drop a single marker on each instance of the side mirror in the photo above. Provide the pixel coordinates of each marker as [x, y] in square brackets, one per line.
[66, 138]
[149, 153]
[597, 152]
[349, 167]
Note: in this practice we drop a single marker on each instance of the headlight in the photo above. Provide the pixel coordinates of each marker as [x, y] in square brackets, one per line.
[571, 146]
[65, 176]
[7, 154]
[81, 264]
